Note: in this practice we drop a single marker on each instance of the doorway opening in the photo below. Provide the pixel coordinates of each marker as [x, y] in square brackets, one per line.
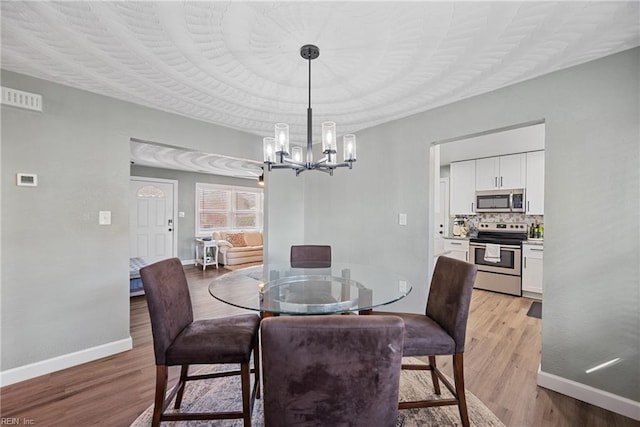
[446, 219]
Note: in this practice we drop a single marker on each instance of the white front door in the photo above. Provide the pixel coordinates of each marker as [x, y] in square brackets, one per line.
[152, 222]
[441, 222]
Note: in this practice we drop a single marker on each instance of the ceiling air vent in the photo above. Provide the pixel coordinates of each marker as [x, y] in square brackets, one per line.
[18, 98]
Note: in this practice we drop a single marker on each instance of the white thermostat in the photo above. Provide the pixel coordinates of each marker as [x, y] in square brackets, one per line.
[27, 179]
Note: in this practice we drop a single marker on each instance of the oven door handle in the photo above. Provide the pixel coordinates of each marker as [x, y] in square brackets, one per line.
[483, 245]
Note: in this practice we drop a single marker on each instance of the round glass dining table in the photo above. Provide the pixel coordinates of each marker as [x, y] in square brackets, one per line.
[281, 289]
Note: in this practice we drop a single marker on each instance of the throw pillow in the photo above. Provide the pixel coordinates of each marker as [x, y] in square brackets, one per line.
[236, 239]
[253, 238]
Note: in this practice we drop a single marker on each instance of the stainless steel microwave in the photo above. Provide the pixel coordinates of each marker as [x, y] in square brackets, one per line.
[500, 201]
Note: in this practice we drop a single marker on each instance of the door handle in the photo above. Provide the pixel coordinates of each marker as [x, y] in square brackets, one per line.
[525, 262]
[500, 181]
[440, 232]
[170, 224]
[528, 206]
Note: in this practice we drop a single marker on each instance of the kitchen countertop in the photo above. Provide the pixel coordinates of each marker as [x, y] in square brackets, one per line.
[456, 237]
[538, 242]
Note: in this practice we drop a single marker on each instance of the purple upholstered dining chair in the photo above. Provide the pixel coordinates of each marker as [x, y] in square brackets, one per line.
[179, 340]
[331, 370]
[441, 330]
[310, 256]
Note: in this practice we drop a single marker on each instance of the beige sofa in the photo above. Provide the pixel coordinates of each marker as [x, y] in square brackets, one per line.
[238, 247]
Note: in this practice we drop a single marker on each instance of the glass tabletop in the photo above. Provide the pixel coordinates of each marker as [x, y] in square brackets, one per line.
[281, 289]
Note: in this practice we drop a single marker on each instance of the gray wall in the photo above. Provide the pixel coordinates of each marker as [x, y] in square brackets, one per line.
[186, 200]
[64, 277]
[592, 258]
[283, 213]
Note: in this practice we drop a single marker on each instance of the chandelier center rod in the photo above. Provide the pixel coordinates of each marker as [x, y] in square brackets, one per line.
[309, 52]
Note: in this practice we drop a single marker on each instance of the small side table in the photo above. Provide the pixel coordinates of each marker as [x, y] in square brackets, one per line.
[206, 252]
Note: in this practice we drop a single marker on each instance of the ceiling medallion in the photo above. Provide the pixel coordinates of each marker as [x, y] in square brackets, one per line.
[276, 149]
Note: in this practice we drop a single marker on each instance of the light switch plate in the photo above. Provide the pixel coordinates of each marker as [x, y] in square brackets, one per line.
[402, 219]
[402, 285]
[104, 218]
[181, 214]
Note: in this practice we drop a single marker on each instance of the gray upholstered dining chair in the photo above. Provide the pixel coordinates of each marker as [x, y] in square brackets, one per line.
[178, 340]
[441, 330]
[331, 370]
[310, 256]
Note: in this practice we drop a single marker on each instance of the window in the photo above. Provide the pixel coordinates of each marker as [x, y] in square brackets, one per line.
[223, 207]
[150, 192]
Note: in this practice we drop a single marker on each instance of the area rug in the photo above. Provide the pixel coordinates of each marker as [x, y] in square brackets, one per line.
[535, 310]
[223, 393]
[241, 266]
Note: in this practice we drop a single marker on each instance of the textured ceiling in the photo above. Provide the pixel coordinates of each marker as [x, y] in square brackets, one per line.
[237, 64]
[146, 153]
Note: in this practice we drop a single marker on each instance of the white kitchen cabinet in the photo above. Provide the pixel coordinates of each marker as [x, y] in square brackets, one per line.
[535, 183]
[457, 248]
[463, 188]
[487, 172]
[532, 257]
[502, 172]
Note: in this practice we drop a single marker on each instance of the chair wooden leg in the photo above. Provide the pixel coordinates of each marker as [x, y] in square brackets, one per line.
[184, 373]
[458, 376]
[434, 377]
[245, 379]
[256, 366]
[161, 388]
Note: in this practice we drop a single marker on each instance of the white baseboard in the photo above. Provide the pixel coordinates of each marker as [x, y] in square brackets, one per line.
[32, 370]
[603, 399]
[532, 295]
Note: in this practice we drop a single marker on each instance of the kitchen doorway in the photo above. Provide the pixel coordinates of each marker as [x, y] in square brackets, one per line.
[523, 141]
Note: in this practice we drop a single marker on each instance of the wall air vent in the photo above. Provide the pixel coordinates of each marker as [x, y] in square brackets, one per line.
[18, 98]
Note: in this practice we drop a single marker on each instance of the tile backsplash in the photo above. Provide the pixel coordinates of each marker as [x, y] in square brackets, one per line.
[508, 218]
[503, 217]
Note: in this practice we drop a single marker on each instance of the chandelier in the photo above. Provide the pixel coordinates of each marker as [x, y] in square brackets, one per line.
[276, 149]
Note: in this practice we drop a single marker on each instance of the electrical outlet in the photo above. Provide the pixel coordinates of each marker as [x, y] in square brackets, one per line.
[402, 219]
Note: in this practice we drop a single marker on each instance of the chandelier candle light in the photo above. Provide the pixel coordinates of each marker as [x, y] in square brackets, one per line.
[276, 149]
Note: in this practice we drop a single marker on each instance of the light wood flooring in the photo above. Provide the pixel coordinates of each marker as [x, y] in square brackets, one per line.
[501, 360]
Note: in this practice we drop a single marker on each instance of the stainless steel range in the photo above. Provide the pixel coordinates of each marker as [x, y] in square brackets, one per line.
[497, 251]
